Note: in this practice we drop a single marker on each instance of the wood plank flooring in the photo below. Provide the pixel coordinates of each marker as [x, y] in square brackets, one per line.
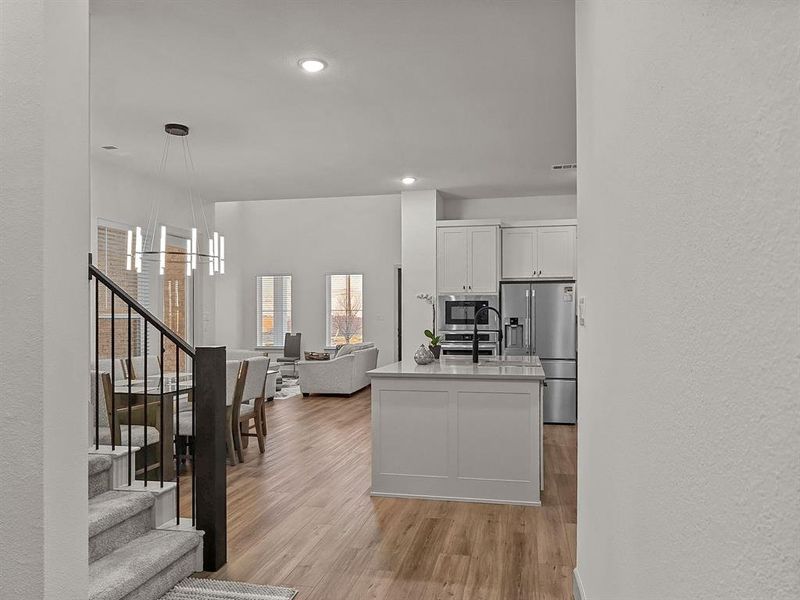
[301, 516]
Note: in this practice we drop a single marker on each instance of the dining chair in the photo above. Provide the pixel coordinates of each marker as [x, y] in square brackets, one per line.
[119, 435]
[291, 351]
[233, 395]
[249, 405]
[136, 368]
[119, 368]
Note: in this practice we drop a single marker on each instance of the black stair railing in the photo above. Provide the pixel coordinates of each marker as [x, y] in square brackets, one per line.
[205, 388]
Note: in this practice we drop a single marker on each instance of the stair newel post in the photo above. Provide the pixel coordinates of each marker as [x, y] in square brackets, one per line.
[146, 406]
[178, 441]
[161, 441]
[113, 376]
[194, 457]
[131, 458]
[210, 456]
[96, 362]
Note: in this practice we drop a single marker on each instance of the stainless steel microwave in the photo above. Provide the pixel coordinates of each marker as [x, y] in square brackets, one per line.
[457, 312]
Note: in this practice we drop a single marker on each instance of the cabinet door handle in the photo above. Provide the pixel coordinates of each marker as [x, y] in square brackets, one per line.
[540, 271]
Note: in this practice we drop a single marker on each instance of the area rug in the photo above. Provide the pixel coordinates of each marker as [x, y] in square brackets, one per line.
[212, 589]
[288, 391]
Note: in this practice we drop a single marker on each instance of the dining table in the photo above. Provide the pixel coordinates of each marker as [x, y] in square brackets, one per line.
[139, 393]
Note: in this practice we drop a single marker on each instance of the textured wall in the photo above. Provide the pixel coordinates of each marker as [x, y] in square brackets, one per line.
[44, 324]
[522, 208]
[419, 211]
[21, 305]
[309, 238]
[688, 210]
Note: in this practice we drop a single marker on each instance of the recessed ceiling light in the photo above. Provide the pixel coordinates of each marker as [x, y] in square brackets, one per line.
[109, 148]
[408, 180]
[312, 65]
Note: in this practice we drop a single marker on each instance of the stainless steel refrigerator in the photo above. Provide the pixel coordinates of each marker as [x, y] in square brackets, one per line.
[539, 318]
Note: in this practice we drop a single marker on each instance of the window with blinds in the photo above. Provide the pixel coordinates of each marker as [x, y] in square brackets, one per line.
[274, 302]
[111, 256]
[345, 318]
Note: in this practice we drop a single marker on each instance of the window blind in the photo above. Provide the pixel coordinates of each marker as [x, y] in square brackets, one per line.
[345, 295]
[112, 249]
[274, 302]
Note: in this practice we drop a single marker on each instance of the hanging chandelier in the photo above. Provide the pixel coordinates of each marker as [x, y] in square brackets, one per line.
[141, 245]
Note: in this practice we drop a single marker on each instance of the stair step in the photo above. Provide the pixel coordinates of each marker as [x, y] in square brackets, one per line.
[116, 518]
[145, 568]
[98, 463]
[99, 474]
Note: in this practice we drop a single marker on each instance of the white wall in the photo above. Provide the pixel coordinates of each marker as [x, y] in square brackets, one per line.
[308, 239]
[689, 437]
[44, 292]
[419, 211]
[523, 208]
[124, 196]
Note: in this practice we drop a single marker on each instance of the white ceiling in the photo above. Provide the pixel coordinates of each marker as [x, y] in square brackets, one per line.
[475, 98]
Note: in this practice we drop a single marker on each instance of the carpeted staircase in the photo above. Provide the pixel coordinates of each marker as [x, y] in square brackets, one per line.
[129, 558]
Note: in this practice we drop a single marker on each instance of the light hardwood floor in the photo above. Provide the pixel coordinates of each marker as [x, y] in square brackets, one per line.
[301, 516]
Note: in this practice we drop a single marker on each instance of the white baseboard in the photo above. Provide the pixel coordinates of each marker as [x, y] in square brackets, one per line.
[454, 499]
[578, 592]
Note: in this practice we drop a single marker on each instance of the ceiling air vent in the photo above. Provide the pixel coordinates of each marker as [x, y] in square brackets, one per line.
[564, 167]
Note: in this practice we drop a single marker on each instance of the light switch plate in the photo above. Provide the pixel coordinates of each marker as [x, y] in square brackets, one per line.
[582, 311]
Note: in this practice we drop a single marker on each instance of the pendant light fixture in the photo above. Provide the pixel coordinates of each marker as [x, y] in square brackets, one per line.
[141, 245]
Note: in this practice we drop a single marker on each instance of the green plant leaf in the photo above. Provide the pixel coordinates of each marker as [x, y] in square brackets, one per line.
[429, 333]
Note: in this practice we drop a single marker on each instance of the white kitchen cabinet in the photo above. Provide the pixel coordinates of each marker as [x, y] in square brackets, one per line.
[452, 268]
[520, 253]
[467, 260]
[539, 252]
[556, 251]
[482, 260]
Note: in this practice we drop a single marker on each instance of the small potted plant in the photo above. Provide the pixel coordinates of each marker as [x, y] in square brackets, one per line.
[433, 344]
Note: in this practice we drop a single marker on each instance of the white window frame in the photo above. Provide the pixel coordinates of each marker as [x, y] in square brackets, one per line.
[328, 345]
[258, 344]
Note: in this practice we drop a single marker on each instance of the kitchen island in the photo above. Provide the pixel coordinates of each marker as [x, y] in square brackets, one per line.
[454, 430]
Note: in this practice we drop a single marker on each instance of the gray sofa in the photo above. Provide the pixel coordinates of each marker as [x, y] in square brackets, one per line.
[346, 373]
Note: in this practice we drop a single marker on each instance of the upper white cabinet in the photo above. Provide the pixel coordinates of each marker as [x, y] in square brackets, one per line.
[483, 261]
[520, 260]
[556, 252]
[539, 252]
[452, 249]
[467, 260]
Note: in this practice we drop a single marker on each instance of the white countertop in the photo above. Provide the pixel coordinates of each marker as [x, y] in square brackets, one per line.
[494, 367]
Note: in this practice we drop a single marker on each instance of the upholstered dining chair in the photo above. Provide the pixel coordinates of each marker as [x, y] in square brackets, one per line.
[120, 369]
[254, 373]
[233, 396]
[120, 430]
[136, 368]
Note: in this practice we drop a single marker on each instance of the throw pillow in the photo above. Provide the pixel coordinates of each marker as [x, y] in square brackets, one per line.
[344, 350]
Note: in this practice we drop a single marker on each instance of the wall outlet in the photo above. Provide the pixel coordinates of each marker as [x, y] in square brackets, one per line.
[582, 311]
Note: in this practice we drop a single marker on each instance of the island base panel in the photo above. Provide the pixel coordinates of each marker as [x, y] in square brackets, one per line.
[458, 440]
